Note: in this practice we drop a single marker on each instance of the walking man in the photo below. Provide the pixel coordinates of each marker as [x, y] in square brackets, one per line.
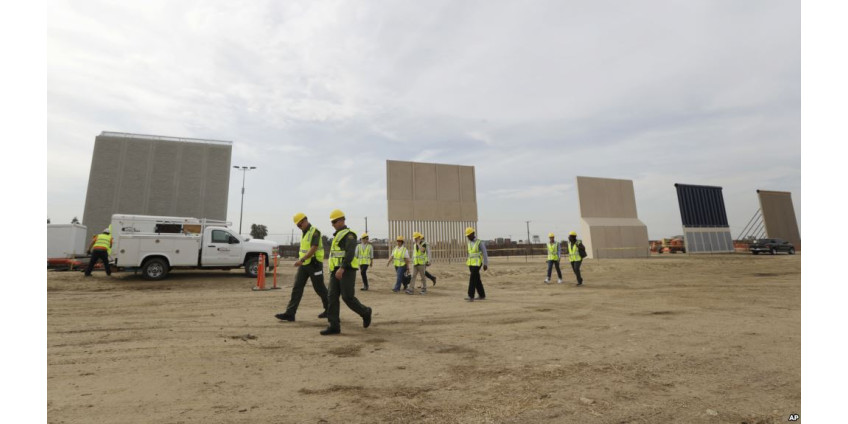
[576, 253]
[477, 257]
[426, 247]
[310, 265]
[100, 248]
[343, 266]
[400, 257]
[554, 252]
[365, 253]
[420, 260]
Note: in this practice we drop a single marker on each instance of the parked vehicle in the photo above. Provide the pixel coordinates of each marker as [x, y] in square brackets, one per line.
[772, 246]
[154, 245]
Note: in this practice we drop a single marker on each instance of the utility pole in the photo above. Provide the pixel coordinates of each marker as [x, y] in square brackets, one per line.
[528, 231]
[244, 170]
[366, 225]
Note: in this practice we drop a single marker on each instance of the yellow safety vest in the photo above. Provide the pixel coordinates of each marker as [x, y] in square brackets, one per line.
[103, 242]
[573, 252]
[306, 244]
[337, 254]
[552, 252]
[365, 254]
[398, 253]
[420, 256]
[475, 255]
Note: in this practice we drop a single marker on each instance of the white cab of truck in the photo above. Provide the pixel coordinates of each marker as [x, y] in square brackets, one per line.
[154, 245]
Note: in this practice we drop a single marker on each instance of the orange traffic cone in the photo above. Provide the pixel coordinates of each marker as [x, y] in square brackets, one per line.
[260, 273]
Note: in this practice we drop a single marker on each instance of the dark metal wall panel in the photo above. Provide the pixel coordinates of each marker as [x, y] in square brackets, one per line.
[701, 206]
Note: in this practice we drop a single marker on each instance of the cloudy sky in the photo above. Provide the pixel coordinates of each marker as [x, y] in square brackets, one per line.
[319, 94]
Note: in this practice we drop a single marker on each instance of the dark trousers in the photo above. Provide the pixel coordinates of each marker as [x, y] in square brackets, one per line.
[552, 264]
[428, 275]
[346, 289]
[307, 272]
[475, 283]
[576, 267]
[98, 255]
[363, 270]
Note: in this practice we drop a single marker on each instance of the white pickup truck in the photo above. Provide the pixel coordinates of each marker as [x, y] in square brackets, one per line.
[156, 244]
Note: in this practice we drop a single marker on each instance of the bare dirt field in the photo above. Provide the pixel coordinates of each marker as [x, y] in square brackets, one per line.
[676, 338]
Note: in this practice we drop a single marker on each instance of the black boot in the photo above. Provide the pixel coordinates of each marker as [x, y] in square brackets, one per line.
[330, 330]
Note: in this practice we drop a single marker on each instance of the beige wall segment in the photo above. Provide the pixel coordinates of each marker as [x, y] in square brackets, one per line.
[610, 225]
[438, 200]
[779, 216]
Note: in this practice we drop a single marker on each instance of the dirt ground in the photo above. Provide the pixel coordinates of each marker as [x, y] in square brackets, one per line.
[673, 338]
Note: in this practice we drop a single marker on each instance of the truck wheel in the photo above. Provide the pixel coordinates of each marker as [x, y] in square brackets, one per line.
[252, 267]
[755, 252]
[154, 269]
[791, 250]
[771, 250]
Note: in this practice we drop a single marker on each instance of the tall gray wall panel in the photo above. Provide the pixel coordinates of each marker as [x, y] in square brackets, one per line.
[610, 224]
[437, 200]
[704, 218]
[156, 175]
[779, 216]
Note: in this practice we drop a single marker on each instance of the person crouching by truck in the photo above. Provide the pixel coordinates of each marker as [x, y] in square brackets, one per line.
[100, 248]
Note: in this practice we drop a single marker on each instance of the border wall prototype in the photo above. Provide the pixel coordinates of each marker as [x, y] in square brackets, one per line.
[438, 200]
[610, 225]
[779, 216]
[705, 228]
[156, 175]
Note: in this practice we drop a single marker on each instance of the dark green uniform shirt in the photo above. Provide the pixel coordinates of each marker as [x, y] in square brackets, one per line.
[348, 244]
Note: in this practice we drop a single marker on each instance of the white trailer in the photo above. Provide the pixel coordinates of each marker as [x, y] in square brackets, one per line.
[66, 241]
[156, 244]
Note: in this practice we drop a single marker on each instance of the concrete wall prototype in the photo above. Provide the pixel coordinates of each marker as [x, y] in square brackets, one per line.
[156, 175]
[779, 216]
[438, 200]
[610, 225]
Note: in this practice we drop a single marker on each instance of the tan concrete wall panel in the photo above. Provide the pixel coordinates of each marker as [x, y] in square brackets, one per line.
[438, 200]
[609, 219]
[447, 177]
[424, 183]
[779, 216]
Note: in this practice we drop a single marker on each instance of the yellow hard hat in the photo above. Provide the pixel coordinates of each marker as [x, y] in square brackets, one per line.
[417, 235]
[336, 214]
[300, 216]
[550, 234]
[399, 238]
[469, 231]
[364, 235]
[573, 233]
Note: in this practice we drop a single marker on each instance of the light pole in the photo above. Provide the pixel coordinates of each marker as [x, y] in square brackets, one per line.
[244, 170]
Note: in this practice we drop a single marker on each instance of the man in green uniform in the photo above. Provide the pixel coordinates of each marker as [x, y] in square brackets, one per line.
[343, 266]
[310, 265]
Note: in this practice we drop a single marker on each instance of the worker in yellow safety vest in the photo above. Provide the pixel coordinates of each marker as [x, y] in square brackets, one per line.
[365, 253]
[100, 248]
[400, 258]
[310, 266]
[343, 266]
[554, 252]
[576, 253]
[477, 258]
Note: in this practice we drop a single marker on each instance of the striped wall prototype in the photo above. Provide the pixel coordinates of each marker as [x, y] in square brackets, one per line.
[156, 175]
[702, 211]
[438, 200]
[610, 225]
[779, 216]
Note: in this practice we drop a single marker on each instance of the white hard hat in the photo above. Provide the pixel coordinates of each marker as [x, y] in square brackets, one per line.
[106, 230]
